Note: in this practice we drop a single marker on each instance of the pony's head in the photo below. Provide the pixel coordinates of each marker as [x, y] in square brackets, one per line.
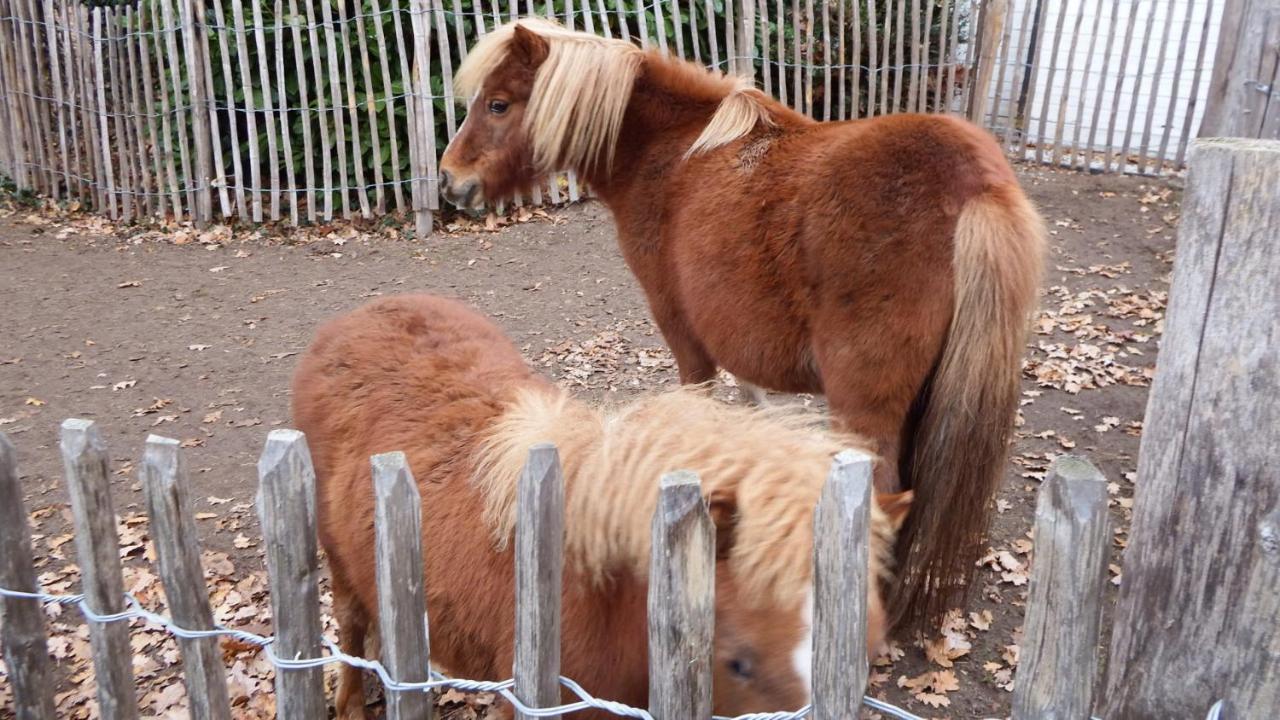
[545, 98]
[762, 473]
[542, 98]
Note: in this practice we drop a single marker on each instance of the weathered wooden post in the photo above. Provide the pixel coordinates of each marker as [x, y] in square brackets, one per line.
[994, 13]
[1059, 660]
[22, 634]
[173, 530]
[287, 511]
[841, 536]
[1246, 73]
[84, 459]
[422, 163]
[1198, 617]
[681, 604]
[539, 572]
[402, 617]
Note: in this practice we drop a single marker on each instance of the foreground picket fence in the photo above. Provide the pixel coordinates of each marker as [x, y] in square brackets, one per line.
[1061, 636]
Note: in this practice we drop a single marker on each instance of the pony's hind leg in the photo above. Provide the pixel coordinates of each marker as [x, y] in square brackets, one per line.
[751, 394]
[353, 631]
[693, 361]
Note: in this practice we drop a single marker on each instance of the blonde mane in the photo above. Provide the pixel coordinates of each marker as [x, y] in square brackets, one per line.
[772, 464]
[580, 95]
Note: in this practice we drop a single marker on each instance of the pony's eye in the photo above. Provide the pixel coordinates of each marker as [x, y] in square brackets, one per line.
[740, 667]
[497, 107]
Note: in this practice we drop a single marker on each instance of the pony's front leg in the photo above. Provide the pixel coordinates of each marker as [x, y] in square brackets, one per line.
[353, 629]
[693, 362]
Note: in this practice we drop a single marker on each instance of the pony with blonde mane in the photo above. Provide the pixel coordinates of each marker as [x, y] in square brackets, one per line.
[889, 263]
[430, 377]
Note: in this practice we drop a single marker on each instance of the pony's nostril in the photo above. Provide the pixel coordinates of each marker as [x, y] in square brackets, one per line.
[445, 180]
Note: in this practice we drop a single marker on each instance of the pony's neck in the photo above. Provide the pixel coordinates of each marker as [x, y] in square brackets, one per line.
[670, 104]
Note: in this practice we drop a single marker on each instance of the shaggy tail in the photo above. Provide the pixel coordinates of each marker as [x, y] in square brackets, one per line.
[961, 437]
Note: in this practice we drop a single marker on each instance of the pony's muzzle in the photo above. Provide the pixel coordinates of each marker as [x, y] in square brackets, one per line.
[465, 194]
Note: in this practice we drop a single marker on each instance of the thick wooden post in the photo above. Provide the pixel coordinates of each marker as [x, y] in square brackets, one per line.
[173, 530]
[1059, 661]
[84, 460]
[1244, 91]
[1198, 617]
[539, 571]
[994, 13]
[22, 634]
[402, 617]
[422, 162]
[287, 511]
[682, 588]
[841, 539]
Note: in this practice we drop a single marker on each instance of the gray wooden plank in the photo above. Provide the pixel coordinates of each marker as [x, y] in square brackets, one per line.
[539, 579]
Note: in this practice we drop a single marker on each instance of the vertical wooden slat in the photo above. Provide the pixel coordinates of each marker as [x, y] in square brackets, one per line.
[841, 536]
[28, 77]
[1021, 75]
[762, 12]
[886, 47]
[747, 38]
[59, 101]
[899, 58]
[993, 18]
[122, 147]
[1076, 150]
[1122, 74]
[539, 570]
[197, 61]
[17, 122]
[88, 103]
[424, 166]
[103, 116]
[286, 134]
[810, 38]
[732, 61]
[946, 63]
[622, 19]
[1175, 86]
[371, 104]
[1194, 97]
[336, 106]
[1145, 151]
[1137, 90]
[926, 67]
[873, 54]
[250, 107]
[174, 66]
[826, 60]
[129, 152]
[713, 42]
[322, 110]
[233, 125]
[70, 65]
[304, 108]
[402, 622]
[146, 188]
[417, 189]
[446, 66]
[1032, 83]
[1042, 137]
[681, 602]
[353, 112]
[38, 76]
[913, 86]
[1059, 657]
[389, 105]
[287, 511]
[781, 21]
[147, 40]
[797, 68]
[218, 170]
[1095, 122]
[22, 634]
[676, 22]
[268, 114]
[85, 465]
[856, 59]
[173, 531]
[8, 143]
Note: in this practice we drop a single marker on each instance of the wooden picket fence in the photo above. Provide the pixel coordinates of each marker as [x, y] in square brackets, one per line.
[1060, 641]
[303, 110]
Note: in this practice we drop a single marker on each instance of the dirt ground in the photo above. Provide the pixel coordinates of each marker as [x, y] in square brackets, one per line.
[194, 336]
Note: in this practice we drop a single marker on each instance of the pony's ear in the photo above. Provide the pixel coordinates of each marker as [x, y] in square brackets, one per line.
[896, 506]
[724, 513]
[529, 47]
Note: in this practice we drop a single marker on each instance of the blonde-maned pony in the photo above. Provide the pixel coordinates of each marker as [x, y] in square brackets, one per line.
[889, 263]
[433, 379]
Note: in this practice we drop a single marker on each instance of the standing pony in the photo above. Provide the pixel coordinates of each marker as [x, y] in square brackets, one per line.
[890, 263]
[432, 378]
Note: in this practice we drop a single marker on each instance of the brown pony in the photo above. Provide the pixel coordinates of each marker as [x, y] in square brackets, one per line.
[890, 263]
[432, 378]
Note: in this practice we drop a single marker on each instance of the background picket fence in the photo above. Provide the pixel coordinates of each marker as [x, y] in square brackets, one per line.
[305, 110]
